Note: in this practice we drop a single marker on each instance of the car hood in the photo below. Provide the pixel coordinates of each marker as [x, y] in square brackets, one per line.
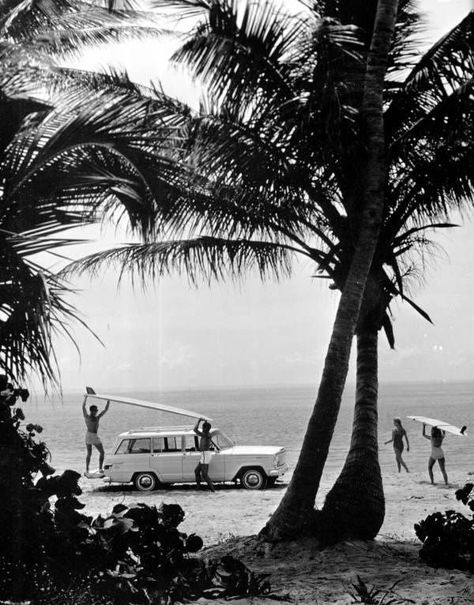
[254, 450]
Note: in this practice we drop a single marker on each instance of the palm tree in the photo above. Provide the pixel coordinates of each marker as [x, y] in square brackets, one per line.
[430, 135]
[90, 160]
[274, 167]
[63, 167]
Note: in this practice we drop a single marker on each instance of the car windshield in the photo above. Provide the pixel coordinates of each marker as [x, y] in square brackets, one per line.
[221, 440]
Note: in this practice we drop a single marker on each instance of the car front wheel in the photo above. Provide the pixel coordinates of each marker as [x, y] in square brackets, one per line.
[253, 478]
[145, 482]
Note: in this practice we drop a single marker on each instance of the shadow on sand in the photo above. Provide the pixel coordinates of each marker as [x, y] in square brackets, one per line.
[178, 488]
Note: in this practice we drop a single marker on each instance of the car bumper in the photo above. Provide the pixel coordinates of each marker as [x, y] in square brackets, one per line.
[277, 472]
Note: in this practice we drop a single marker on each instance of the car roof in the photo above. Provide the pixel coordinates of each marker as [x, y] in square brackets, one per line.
[160, 431]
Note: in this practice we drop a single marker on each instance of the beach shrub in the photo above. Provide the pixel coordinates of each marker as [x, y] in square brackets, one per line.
[51, 552]
[448, 538]
[370, 595]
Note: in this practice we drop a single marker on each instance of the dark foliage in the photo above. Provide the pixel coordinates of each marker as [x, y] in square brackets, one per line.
[448, 538]
[369, 595]
[51, 552]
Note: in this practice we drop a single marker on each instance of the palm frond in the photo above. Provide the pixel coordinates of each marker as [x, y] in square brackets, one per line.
[417, 308]
[240, 52]
[32, 307]
[62, 27]
[183, 9]
[202, 258]
[448, 65]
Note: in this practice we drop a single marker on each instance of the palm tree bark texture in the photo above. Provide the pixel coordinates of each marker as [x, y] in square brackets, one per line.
[295, 514]
[355, 505]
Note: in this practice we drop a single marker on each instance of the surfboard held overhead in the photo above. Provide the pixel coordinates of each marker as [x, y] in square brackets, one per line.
[441, 424]
[159, 407]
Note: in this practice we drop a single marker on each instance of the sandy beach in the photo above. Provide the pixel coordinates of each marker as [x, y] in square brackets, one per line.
[229, 519]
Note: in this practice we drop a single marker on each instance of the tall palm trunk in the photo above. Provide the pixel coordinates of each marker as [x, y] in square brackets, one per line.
[355, 506]
[295, 514]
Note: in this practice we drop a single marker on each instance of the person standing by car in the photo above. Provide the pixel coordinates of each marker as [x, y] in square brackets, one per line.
[92, 438]
[398, 434]
[205, 443]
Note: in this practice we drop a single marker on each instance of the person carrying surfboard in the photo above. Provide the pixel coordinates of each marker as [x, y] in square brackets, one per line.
[205, 442]
[92, 438]
[398, 434]
[436, 438]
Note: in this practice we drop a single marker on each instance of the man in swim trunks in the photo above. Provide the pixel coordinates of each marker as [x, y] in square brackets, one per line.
[92, 438]
[205, 443]
[437, 454]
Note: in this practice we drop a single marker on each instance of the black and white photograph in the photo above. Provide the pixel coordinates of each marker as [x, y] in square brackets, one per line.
[236, 302]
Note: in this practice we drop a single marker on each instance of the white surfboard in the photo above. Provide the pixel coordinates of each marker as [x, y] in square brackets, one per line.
[97, 474]
[440, 424]
[159, 407]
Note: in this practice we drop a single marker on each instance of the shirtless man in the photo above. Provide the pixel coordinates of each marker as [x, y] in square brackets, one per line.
[92, 438]
[205, 442]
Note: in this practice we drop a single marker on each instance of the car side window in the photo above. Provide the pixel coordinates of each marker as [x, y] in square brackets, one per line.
[191, 443]
[172, 444]
[123, 447]
[139, 446]
[158, 444]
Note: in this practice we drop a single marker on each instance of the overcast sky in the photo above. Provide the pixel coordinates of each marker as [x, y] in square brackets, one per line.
[173, 335]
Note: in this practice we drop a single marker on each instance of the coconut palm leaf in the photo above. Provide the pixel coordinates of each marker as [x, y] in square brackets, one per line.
[207, 258]
[14, 110]
[32, 304]
[27, 316]
[61, 27]
[238, 50]
[441, 71]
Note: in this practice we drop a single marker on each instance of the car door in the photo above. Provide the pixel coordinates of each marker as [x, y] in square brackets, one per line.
[138, 454]
[191, 457]
[167, 459]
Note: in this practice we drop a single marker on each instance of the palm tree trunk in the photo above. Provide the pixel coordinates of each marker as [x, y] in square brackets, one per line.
[355, 506]
[295, 514]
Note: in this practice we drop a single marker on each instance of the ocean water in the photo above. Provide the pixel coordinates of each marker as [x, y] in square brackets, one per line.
[268, 416]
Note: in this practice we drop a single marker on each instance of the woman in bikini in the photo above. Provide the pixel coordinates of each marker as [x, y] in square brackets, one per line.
[398, 434]
[437, 454]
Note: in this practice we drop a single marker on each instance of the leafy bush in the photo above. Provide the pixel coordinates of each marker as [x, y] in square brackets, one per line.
[448, 538]
[51, 552]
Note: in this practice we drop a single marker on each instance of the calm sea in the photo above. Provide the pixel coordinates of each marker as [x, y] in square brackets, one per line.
[268, 415]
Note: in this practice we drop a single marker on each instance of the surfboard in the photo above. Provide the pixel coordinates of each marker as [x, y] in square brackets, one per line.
[440, 424]
[97, 474]
[159, 407]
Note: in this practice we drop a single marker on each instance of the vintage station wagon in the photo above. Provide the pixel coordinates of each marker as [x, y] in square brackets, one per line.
[151, 457]
[155, 456]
